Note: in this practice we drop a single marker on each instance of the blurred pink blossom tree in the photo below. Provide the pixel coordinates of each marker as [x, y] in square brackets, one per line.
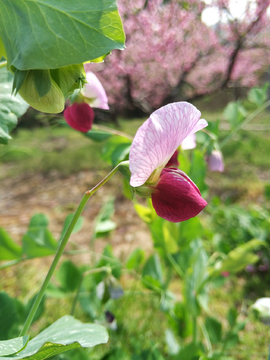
[172, 55]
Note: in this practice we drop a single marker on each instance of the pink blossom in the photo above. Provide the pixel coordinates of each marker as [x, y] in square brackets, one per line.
[189, 142]
[94, 92]
[215, 161]
[174, 195]
[225, 273]
[79, 116]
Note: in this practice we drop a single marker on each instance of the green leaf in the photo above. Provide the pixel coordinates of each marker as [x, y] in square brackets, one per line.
[214, 329]
[135, 259]
[88, 30]
[231, 341]
[69, 276]
[39, 219]
[111, 145]
[235, 113]
[232, 316]
[147, 214]
[267, 191]
[187, 352]
[9, 347]
[238, 258]
[97, 135]
[103, 223]
[258, 95]
[8, 315]
[120, 153]
[9, 250]
[65, 334]
[108, 260]
[11, 107]
[189, 231]
[38, 241]
[77, 227]
[172, 344]
[197, 170]
[170, 234]
[152, 271]
[104, 227]
[124, 169]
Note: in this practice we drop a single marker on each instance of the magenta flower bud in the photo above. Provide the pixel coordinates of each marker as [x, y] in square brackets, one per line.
[79, 116]
[215, 161]
[94, 92]
[174, 196]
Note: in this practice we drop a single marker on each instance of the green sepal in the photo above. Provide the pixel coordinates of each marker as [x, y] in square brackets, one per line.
[19, 77]
[43, 82]
[2, 49]
[52, 102]
[69, 78]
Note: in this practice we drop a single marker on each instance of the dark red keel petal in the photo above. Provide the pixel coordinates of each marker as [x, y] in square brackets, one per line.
[79, 116]
[173, 162]
[176, 198]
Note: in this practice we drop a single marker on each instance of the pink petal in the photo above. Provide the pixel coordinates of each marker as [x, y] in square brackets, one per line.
[158, 138]
[95, 92]
[215, 161]
[189, 142]
[176, 198]
[79, 116]
[173, 162]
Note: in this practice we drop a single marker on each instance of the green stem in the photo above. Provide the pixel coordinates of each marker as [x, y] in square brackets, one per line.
[61, 248]
[176, 267]
[113, 131]
[194, 329]
[244, 123]
[3, 64]
[206, 336]
[76, 297]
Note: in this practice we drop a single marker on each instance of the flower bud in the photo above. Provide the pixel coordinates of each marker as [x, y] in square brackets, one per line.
[215, 161]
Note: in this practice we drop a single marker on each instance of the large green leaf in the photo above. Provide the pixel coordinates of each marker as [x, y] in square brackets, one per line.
[8, 347]
[48, 34]
[11, 107]
[65, 334]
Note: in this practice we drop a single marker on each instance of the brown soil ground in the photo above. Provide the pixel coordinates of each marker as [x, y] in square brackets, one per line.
[24, 196]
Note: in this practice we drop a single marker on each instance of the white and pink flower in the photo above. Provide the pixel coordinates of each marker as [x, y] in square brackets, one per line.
[174, 195]
[94, 92]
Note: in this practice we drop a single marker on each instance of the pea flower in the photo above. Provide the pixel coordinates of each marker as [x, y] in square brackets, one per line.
[80, 115]
[189, 142]
[215, 161]
[94, 92]
[174, 195]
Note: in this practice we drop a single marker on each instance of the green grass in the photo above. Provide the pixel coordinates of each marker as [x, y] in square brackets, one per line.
[44, 150]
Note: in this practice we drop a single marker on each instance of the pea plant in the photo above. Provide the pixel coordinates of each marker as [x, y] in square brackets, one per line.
[42, 65]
